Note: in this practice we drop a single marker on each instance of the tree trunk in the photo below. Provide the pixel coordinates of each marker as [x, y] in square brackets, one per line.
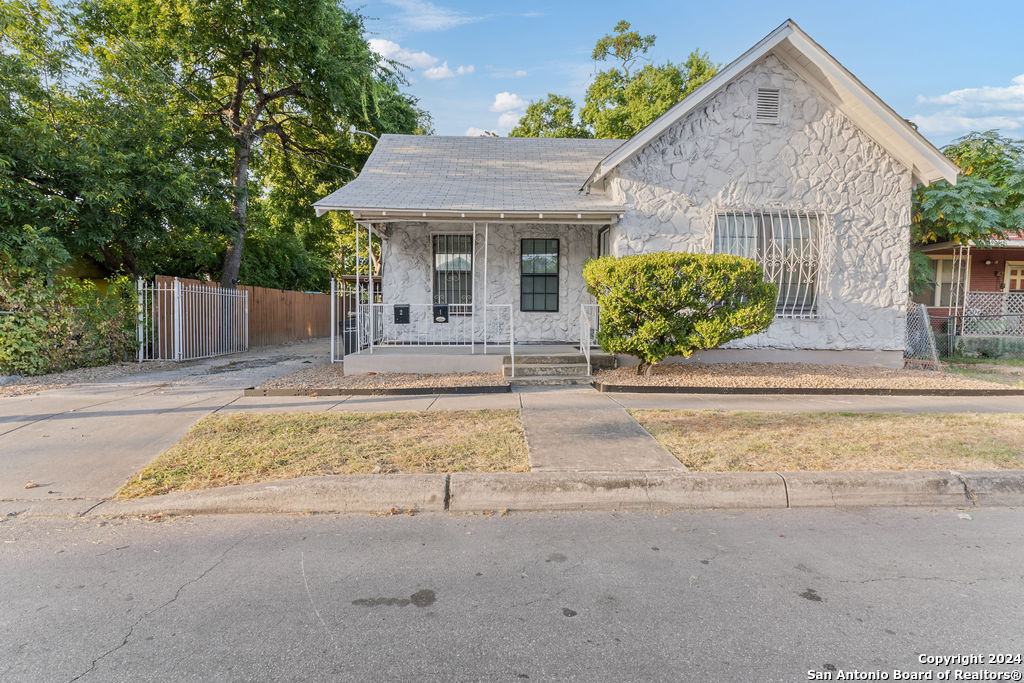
[643, 368]
[239, 210]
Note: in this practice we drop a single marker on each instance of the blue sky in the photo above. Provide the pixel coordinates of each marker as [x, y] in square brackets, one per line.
[950, 67]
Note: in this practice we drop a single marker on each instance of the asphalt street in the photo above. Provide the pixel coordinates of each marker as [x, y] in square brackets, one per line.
[694, 596]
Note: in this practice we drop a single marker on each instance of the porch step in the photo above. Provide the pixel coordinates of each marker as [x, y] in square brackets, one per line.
[599, 361]
[552, 369]
[550, 380]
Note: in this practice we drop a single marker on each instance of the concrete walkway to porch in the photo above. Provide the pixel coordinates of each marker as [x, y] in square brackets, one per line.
[581, 430]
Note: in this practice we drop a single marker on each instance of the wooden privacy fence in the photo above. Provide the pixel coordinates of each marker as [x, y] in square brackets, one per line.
[180, 318]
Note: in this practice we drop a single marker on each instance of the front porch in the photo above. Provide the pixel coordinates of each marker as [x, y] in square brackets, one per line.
[517, 361]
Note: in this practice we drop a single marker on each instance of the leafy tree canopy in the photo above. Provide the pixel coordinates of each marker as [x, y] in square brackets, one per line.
[552, 117]
[623, 99]
[985, 205]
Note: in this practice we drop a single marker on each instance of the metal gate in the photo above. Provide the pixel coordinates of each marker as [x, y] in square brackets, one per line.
[350, 323]
[178, 321]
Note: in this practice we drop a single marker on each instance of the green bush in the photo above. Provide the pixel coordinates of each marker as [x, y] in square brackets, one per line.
[63, 324]
[671, 304]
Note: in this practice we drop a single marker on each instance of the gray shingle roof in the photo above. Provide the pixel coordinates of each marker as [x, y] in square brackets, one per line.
[436, 173]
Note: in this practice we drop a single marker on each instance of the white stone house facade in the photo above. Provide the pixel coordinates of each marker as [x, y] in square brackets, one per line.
[783, 156]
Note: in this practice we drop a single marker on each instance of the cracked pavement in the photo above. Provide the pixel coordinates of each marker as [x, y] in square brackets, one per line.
[683, 595]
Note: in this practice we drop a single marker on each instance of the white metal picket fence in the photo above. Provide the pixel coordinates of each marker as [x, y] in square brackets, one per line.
[178, 321]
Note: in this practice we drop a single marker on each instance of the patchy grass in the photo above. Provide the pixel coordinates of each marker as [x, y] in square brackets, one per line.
[1009, 371]
[223, 450]
[714, 440]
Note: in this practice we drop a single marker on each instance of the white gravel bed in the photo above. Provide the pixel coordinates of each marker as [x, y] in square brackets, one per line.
[331, 376]
[789, 375]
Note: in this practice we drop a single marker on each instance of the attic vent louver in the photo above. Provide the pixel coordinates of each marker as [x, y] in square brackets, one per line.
[767, 105]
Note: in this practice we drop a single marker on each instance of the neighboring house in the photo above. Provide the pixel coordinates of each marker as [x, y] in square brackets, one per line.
[783, 156]
[958, 271]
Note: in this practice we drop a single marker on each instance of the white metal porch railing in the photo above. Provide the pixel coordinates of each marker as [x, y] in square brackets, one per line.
[363, 327]
[179, 321]
[590, 320]
[993, 314]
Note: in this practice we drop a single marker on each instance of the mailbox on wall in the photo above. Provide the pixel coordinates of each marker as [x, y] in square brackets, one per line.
[401, 314]
[440, 313]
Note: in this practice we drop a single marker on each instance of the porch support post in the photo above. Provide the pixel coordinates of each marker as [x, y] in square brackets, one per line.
[472, 288]
[369, 264]
[486, 232]
[359, 296]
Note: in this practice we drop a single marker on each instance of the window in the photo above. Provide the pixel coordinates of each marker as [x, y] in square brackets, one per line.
[539, 275]
[942, 293]
[604, 241]
[453, 272]
[786, 244]
[768, 101]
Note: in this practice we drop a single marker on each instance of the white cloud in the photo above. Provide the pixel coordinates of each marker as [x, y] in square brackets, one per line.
[984, 108]
[519, 73]
[422, 15]
[509, 119]
[507, 101]
[986, 97]
[392, 50]
[444, 71]
[475, 132]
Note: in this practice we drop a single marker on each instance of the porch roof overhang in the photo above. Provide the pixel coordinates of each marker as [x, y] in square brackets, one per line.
[379, 215]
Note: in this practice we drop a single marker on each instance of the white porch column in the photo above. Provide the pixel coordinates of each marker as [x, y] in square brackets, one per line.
[486, 232]
[472, 280]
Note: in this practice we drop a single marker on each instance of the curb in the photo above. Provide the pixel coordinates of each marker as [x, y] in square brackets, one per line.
[809, 391]
[558, 491]
[410, 391]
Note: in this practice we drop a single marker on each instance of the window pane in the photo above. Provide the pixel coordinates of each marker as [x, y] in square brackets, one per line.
[786, 245]
[453, 270]
[539, 275]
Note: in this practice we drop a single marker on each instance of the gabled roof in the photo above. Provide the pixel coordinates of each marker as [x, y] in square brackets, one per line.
[411, 176]
[808, 59]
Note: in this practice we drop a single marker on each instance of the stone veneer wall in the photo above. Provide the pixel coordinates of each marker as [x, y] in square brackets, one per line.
[407, 276]
[719, 158]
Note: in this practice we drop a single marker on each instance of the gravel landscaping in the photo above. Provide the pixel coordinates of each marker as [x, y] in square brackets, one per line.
[717, 440]
[102, 373]
[789, 375]
[331, 376]
[222, 450]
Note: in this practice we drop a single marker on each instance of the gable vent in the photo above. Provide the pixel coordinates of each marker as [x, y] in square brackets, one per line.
[768, 105]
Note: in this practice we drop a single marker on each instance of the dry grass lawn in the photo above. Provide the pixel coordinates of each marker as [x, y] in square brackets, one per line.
[223, 450]
[715, 441]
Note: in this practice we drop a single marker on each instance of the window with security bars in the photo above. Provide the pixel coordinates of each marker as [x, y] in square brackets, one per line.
[786, 244]
[539, 275]
[453, 273]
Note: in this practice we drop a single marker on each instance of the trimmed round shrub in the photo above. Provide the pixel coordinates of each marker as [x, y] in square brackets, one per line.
[672, 304]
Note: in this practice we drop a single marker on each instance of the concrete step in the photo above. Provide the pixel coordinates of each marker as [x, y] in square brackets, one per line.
[597, 360]
[551, 380]
[533, 369]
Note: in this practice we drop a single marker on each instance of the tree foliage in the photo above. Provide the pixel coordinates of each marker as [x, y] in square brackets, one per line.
[122, 136]
[623, 99]
[662, 304]
[552, 117]
[985, 205]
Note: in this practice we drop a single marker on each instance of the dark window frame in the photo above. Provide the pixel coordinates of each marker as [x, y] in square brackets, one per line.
[536, 278]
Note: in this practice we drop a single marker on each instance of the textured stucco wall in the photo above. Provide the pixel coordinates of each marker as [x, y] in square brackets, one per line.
[407, 273]
[719, 158]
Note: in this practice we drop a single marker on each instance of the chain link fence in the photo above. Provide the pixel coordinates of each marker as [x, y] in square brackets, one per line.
[920, 348]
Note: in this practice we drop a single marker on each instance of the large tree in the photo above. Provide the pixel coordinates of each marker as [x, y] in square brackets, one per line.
[985, 205]
[623, 99]
[552, 117]
[291, 73]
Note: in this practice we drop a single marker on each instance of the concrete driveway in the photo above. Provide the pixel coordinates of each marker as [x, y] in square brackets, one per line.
[85, 440]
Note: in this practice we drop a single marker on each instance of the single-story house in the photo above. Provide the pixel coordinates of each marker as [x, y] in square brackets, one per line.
[783, 156]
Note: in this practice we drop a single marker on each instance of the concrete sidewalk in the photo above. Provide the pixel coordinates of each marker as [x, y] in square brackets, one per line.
[580, 430]
[84, 441]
